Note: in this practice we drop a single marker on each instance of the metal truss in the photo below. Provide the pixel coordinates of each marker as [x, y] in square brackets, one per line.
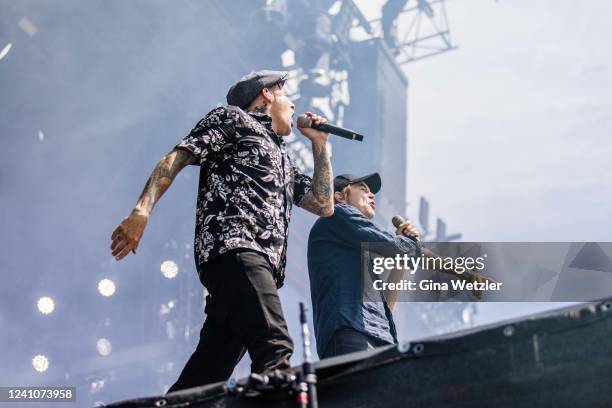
[415, 31]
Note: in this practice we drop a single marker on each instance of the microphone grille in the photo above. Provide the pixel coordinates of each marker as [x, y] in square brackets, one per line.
[397, 220]
[304, 121]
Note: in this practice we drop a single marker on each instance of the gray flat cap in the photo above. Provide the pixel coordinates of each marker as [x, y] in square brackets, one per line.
[247, 88]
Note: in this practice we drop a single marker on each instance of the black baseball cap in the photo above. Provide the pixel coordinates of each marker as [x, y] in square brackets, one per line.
[247, 88]
[372, 180]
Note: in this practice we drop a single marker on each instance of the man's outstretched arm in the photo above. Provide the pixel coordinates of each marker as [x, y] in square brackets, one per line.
[127, 235]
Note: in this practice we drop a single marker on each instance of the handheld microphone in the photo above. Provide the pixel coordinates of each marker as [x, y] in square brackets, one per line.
[398, 220]
[304, 121]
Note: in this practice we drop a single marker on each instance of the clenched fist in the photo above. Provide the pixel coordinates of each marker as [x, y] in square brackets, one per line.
[315, 136]
[408, 229]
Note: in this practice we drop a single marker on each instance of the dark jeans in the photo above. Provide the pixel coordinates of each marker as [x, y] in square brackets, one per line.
[348, 340]
[243, 313]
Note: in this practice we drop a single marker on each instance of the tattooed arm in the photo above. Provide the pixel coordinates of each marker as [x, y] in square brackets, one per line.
[127, 235]
[162, 176]
[320, 199]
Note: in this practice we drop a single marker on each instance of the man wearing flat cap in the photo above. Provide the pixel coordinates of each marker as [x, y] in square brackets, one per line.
[343, 322]
[246, 190]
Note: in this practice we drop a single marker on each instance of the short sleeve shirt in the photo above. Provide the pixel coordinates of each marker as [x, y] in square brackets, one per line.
[247, 186]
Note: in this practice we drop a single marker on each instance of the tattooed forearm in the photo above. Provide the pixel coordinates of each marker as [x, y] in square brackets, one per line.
[162, 176]
[320, 200]
[310, 204]
[322, 178]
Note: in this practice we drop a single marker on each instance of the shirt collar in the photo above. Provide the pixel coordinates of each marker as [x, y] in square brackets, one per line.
[262, 118]
[266, 120]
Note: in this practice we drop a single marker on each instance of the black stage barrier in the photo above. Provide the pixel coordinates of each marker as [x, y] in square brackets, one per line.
[561, 358]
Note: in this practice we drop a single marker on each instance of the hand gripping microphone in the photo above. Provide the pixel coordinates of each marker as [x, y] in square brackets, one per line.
[304, 121]
[397, 221]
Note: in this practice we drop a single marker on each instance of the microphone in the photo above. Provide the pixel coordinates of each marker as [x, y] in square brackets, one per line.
[304, 121]
[399, 220]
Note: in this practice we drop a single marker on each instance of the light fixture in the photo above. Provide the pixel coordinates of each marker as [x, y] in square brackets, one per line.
[45, 305]
[106, 287]
[40, 363]
[169, 269]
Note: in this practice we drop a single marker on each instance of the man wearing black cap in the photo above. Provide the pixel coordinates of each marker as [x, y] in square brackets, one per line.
[343, 322]
[246, 190]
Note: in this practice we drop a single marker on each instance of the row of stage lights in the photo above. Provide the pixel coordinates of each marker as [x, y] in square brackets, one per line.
[106, 288]
[40, 362]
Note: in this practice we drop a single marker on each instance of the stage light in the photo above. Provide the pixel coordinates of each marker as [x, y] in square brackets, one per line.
[27, 26]
[335, 8]
[40, 363]
[466, 316]
[45, 305]
[165, 308]
[170, 330]
[5, 50]
[104, 346]
[106, 287]
[288, 58]
[97, 386]
[169, 269]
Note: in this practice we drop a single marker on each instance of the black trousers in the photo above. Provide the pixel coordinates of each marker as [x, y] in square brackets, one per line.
[243, 314]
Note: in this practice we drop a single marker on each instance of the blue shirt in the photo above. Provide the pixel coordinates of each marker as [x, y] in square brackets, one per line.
[334, 267]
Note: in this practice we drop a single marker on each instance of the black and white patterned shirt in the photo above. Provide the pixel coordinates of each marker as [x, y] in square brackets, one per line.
[247, 186]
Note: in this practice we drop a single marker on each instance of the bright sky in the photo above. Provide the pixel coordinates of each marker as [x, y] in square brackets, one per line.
[509, 134]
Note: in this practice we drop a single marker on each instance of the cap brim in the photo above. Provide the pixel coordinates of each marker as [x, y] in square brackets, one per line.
[373, 181]
[280, 81]
[281, 78]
